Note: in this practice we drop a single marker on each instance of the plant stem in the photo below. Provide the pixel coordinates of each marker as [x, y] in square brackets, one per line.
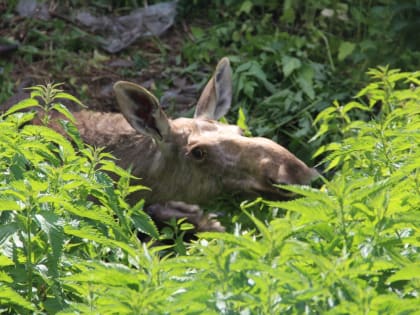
[343, 222]
[327, 46]
[29, 251]
[384, 145]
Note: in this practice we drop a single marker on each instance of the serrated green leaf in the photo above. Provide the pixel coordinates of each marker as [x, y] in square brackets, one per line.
[333, 163]
[145, 224]
[312, 193]
[367, 189]
[351, 105]
[321, 131]
[109, 274]
[134, 188]
[69, 97]
[311, 210]
[247, 245]
[110, 167]
[8, 229]
[9, 297]
[5, 278]
[39, 88]
[94, 214]
[50, 135]
[9, 205]
[5, 261]
[29, 102]
[73, 133]
[409, 272]
[325, 115]
[241, 123]
[52, 225]
[88, 233]
[92, 234]
[367, 89]
[19, 119]
[262, 228]
[36, 152]
[64, 111]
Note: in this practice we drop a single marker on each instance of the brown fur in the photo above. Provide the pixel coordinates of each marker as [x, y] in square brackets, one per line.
[161, 151]
[190, 160]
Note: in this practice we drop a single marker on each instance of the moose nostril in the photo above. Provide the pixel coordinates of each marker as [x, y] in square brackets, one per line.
[272, 182]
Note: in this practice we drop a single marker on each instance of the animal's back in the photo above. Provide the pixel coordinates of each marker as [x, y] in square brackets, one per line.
[102, 129]
[130, 148]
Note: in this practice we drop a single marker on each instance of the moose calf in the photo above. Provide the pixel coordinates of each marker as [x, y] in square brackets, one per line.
[189, 161]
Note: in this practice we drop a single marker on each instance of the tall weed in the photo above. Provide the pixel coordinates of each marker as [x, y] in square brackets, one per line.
[56, 203]
[349, 247]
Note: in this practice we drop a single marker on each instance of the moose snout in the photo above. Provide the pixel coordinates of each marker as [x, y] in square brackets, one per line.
[296, 172]
[286, 170]
[270, 189]
[273, 181]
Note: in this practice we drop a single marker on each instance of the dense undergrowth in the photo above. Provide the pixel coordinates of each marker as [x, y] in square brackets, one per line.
[350, 247]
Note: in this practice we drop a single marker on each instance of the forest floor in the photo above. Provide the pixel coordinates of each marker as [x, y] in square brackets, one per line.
[59, 51]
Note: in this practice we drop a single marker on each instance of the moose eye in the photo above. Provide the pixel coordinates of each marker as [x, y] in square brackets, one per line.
[198, 153]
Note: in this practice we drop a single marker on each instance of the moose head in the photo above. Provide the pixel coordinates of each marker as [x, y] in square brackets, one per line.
[194, 159]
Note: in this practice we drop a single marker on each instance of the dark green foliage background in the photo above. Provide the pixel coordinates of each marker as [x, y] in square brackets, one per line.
[293, 58]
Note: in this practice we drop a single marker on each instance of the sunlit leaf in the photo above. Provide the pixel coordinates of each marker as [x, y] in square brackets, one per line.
[10, 297]
[69, 97]
[26, 103]
[145, 224]
[409, 272]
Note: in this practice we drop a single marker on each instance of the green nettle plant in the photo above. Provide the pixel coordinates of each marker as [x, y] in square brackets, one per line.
[351, 246]
[57, 203]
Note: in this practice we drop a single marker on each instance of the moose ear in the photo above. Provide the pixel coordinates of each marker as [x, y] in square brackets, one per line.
[216, 98]
[142, 110]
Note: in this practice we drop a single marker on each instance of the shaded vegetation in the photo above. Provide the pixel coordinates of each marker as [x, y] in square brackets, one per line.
[295, 57]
